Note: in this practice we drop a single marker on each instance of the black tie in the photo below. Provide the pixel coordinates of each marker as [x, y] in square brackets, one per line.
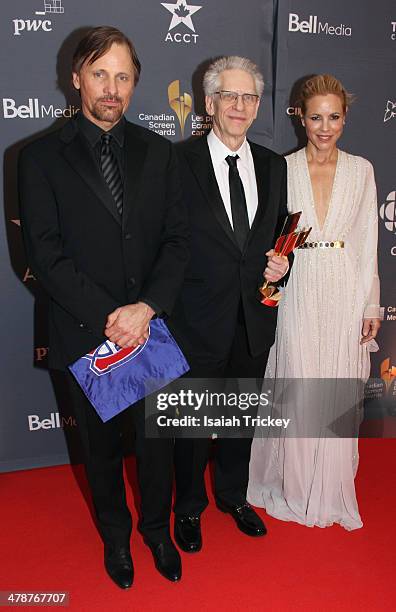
[240, 219]
[111, 171]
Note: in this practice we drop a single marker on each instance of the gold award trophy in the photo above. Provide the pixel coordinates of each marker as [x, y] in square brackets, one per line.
[180, 103]
[288, 240]
[388, 372]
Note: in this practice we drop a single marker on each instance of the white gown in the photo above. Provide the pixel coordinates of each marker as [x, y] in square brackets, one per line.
[330, 290]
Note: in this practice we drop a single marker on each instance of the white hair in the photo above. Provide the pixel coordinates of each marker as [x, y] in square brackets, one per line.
[211, 80]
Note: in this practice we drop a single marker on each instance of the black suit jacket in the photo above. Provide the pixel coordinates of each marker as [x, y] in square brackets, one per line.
[220, 276]
[87, 258]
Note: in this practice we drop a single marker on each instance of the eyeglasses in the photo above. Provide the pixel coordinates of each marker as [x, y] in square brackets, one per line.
[230, 97]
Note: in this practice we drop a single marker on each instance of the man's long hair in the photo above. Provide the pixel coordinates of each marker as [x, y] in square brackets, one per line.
[97, 42]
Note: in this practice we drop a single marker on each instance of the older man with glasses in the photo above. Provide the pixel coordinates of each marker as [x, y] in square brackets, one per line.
[235, 191]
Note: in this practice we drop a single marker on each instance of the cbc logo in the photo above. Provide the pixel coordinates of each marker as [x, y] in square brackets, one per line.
[293, 111]
[388, 212]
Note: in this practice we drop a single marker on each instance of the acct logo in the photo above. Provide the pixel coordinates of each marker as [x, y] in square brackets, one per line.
[55, 421]
[313, 25]
[50, 7]
[34, 110]
[181, 14]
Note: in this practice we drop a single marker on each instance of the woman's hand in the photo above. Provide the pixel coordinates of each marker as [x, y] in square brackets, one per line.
[370, 329]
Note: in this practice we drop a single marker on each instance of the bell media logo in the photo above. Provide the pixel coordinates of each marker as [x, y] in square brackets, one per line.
[313, 25]
[35, 110]
[50, 7]
[181, 15]
[55, 421]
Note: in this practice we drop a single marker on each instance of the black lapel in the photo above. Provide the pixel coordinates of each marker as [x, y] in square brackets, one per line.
[262, 170]
[77, 153]
[135, 157]
[201, 164]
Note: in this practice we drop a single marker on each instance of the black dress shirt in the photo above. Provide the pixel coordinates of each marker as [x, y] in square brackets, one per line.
[93, 134]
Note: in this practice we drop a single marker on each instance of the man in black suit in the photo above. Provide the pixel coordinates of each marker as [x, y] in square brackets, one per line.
[106, 234]
[235, 191]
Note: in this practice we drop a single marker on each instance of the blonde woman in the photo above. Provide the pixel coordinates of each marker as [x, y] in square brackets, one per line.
[328, 319]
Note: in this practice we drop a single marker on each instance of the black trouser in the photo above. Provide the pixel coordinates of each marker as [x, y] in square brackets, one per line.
[103, 450]
[232, 454]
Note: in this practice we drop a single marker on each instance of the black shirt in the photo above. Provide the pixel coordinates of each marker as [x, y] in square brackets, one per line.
[93, 134]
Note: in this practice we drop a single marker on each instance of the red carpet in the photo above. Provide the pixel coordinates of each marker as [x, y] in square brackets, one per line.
[49, 543]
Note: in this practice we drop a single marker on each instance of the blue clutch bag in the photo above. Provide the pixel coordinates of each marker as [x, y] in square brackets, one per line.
[113, 378]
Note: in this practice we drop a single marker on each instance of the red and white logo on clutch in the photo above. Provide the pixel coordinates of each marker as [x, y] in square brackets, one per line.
[109, 356]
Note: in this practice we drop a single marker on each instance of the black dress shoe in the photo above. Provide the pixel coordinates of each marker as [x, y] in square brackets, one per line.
[188, 533]
[245, 517]
[119, 566]
[167, 560]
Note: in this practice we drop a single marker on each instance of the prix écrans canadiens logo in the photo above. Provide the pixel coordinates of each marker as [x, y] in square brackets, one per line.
[181, 14]
[109, 356]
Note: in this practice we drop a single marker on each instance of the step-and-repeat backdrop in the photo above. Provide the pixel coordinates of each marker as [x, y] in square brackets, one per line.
[289, 39]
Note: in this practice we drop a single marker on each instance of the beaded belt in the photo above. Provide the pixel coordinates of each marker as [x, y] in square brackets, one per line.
[322, 244]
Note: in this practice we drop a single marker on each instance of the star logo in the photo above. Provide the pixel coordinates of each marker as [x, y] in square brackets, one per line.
[181, 13]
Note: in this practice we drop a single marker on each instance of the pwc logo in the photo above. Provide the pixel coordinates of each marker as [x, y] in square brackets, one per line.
[49, 7]
[109, 356]
[55, 421]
